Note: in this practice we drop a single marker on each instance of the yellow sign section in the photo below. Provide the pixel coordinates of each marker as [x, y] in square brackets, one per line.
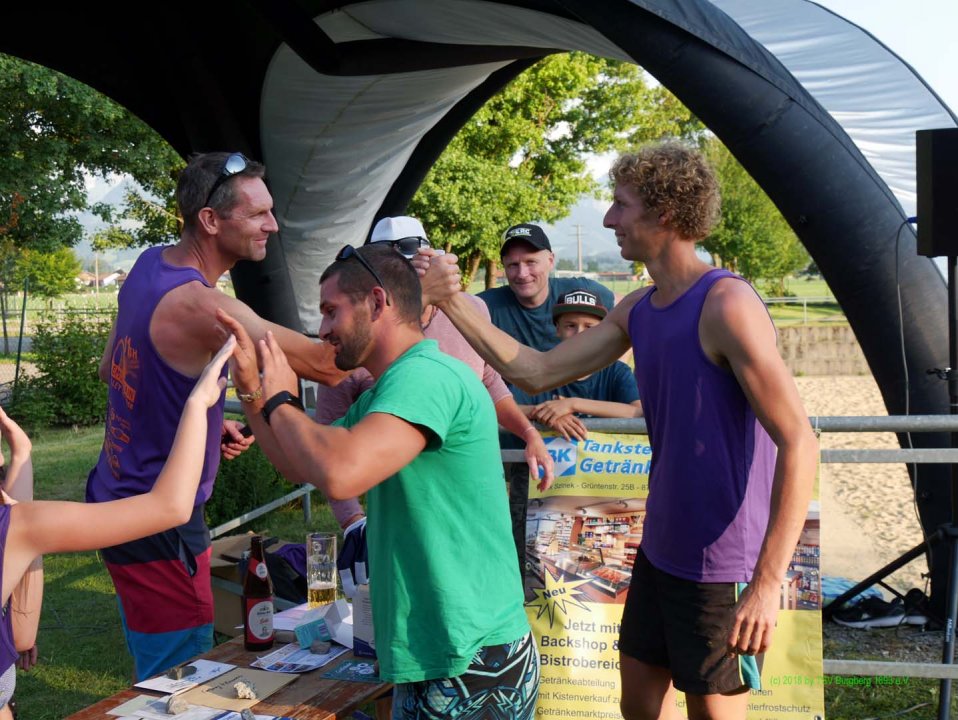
[582, 537]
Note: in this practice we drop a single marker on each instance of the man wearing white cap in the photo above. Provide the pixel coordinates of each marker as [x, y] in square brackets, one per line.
[407, 235]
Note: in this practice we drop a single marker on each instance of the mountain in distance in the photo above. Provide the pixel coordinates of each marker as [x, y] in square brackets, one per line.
[598, 243]
[102, 191]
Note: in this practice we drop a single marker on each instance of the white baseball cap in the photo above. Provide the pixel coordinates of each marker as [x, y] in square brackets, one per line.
[404, 233]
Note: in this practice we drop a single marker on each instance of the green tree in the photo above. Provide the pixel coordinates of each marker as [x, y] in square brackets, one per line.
[522, 157]
[54, 133]
[50, 274]
[752, 238]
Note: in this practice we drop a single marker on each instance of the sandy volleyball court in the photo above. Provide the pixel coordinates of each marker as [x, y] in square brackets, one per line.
[868, 510]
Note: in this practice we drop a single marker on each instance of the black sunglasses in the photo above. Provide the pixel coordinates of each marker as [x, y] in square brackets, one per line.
[349, 251]
[235, 163]
[407, 246]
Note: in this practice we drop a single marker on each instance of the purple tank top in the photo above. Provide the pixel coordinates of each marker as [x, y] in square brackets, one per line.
[712, 461]
[8, 650]
[146, 396]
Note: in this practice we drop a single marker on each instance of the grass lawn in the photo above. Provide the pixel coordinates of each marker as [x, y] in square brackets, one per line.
[83, 656]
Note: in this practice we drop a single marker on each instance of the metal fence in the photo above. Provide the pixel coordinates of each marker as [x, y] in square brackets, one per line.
[637, 426]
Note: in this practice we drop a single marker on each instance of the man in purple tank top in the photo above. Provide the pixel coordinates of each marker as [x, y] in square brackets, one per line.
[164, 335]
[734, 456]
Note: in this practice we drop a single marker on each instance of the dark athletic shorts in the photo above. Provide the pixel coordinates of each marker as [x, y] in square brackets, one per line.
[683, 625]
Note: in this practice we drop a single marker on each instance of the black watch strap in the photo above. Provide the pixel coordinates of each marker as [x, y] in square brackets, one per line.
[284, 397]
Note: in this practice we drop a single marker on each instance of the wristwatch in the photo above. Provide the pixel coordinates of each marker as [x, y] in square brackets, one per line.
[250, 397]
[283, 397]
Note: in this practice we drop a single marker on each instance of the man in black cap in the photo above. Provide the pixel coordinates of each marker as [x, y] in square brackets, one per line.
[524, 311]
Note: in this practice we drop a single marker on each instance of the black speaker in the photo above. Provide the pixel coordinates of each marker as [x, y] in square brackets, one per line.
[937, 171]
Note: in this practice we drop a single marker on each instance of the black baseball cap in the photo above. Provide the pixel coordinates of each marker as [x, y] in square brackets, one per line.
[581, 301]
[527, 233]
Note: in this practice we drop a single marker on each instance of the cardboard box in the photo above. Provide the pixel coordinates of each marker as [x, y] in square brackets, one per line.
[227, 583]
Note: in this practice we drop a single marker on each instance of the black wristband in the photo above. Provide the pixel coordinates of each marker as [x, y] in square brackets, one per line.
[284, 397]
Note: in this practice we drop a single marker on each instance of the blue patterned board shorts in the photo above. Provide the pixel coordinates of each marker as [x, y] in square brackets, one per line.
[502, 683]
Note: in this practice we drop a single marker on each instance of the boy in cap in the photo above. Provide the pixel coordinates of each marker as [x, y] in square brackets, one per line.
[611, 392]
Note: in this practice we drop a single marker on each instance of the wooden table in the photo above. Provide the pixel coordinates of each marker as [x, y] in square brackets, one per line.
[310, 697]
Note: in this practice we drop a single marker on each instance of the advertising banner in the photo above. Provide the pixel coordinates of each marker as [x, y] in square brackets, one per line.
[582, 536]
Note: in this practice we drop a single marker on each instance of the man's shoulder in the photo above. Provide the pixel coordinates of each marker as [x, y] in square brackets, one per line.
[496, 296]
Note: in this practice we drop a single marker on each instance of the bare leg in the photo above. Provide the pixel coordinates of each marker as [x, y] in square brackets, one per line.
[647, 692]
[717, 707]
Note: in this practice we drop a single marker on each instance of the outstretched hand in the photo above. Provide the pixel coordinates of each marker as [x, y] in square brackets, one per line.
[277, 374]
[243, 365]
[210, 386]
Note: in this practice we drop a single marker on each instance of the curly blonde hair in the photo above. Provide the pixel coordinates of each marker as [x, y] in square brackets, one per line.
[671, 177]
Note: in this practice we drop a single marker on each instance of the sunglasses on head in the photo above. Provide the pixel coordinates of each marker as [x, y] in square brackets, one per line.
[349, 251]
[408, 246]
[235, 163]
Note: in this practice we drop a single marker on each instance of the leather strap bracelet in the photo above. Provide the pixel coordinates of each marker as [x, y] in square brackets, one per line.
[283, 397]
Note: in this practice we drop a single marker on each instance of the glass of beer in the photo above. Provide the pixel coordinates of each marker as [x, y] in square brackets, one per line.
[321, 568]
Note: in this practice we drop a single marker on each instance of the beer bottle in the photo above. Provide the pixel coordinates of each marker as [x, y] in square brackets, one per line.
[257, 600]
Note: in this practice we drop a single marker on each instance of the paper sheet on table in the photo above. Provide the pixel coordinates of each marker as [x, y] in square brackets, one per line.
[148, 707]
[205, 670]
[294, 659]
[340, 614]
[142, 709]
[220, 693]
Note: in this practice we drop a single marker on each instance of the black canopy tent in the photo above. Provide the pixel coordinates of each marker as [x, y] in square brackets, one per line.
[349, 103]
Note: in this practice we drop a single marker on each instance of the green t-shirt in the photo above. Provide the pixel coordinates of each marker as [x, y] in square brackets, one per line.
[441, 556]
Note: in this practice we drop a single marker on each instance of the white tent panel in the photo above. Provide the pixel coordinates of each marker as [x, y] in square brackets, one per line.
[873, 94]
[334, 146]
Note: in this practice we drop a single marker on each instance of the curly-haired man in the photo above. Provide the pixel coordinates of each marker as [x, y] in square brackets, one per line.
[734, 456]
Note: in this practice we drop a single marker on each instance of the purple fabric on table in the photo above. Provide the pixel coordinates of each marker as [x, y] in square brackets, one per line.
[295, 555]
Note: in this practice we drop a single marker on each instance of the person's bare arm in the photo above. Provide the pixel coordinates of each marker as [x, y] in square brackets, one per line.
[531, 370]
[18, 480]
[535, 371]
[26, 602]
[546, 411]
[512, 418]
[184, 330]
[41, 527]
[735, 330]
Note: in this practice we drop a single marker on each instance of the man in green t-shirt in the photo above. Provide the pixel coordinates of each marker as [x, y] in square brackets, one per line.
[422, 442]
